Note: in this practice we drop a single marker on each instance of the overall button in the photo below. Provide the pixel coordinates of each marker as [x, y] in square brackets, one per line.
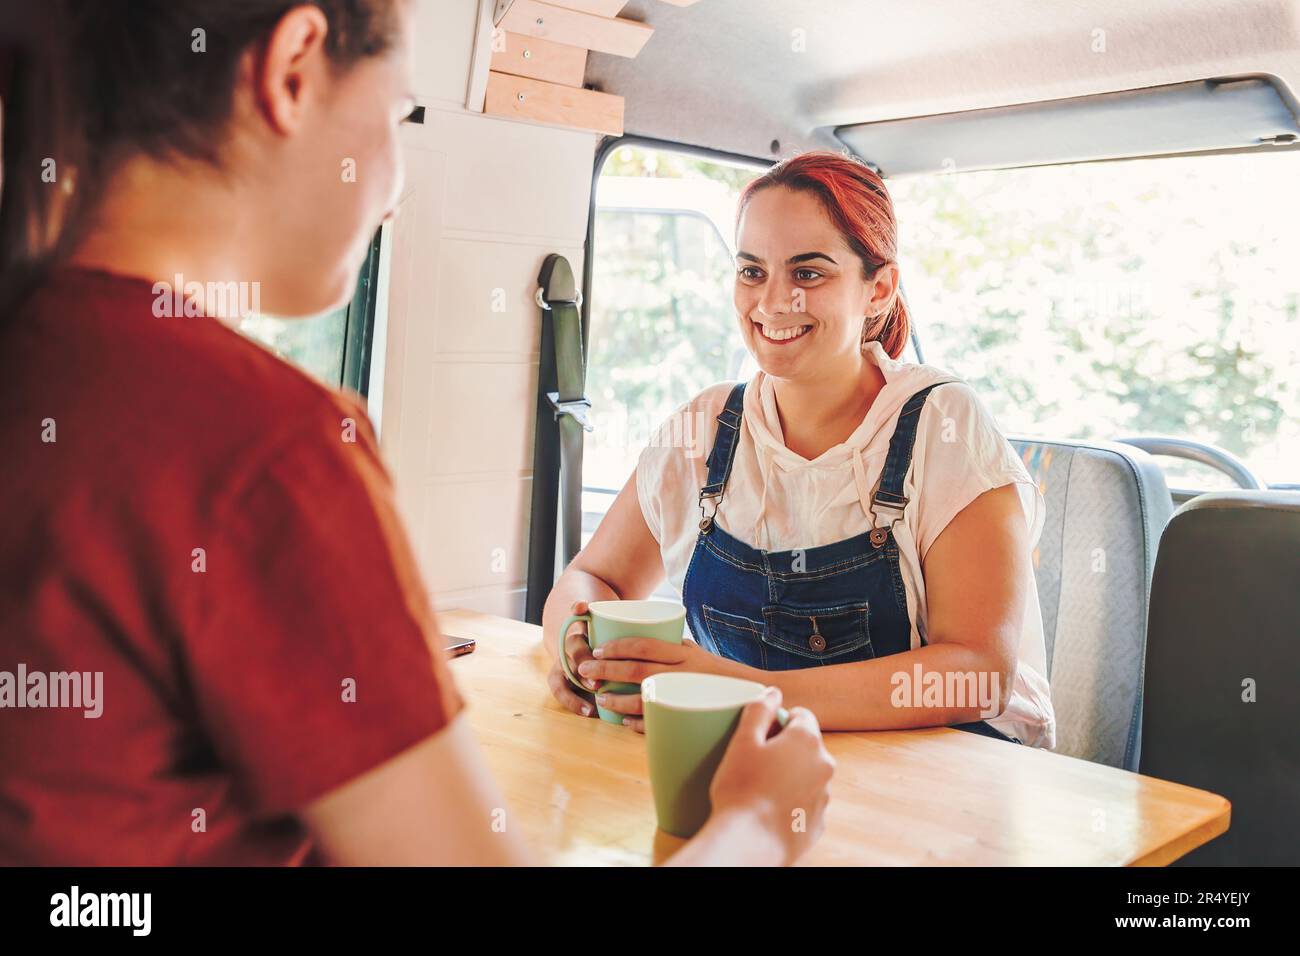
[817, 635]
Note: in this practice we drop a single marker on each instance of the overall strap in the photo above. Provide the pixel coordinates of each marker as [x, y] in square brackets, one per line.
[722, 454]
[889, 492]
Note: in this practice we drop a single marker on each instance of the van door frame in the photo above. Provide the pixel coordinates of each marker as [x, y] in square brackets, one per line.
[607, 146]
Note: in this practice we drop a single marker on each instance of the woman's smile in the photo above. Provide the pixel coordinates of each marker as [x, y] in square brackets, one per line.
[781, 335]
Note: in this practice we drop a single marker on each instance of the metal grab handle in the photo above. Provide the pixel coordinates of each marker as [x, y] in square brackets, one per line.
[1208, 455]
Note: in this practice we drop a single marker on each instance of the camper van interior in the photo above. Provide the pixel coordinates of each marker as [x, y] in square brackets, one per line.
[695, 347]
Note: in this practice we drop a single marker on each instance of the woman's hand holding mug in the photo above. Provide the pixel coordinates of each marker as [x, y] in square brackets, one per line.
[573, 645]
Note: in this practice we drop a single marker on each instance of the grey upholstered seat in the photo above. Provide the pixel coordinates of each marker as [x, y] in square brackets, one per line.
[1106, 507]
[1223, 660]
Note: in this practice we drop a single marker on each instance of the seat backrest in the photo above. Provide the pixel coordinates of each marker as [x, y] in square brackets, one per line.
[1106, 506]
[1223, 659]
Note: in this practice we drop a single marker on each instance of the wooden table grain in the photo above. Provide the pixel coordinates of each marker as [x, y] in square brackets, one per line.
[579, 789]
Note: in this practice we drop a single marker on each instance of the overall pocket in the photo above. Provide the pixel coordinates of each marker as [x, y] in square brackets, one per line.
[736, 638]
[825, 635]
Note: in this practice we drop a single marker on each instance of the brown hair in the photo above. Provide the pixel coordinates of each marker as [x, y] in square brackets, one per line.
[87, 83]
[858, 204]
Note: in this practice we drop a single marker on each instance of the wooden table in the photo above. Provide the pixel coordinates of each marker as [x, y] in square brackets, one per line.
[580, 788]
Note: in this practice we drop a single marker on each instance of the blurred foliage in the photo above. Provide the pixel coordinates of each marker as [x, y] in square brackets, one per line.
[650, 163]
[315, 345]
[663, 327]
[1089, 301]
[1108, 299]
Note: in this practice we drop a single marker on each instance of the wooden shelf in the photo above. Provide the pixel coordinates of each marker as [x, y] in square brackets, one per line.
[575, 28]
[530, 60]
[521, 98]
[538, 59]
[602, 8]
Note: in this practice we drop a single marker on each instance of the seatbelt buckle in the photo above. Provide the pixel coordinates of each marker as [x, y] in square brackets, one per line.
[577, 408]
[540, 298]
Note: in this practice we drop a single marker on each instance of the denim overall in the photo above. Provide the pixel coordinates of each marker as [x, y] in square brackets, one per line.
[781, 610]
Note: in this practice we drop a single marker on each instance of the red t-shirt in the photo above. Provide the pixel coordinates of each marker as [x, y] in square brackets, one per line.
[292, 653]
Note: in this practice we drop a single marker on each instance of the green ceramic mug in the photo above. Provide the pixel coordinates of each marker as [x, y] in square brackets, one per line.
[689, 721]
[610, 620]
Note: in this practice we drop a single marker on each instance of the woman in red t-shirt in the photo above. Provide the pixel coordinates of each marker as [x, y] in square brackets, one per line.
[197, 521]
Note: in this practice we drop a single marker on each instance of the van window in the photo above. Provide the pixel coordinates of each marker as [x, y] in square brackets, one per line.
[662, 324]
[335, 347]
[1105, 300]
[315, 345]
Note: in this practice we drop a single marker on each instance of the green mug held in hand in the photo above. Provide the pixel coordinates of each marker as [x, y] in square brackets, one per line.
[611, 620]
[689, 722]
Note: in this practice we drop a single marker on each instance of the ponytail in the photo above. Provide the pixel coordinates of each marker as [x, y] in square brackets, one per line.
[43, 149]
[893, 331]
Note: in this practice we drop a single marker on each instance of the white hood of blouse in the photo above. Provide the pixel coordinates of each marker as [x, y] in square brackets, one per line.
[840, 470]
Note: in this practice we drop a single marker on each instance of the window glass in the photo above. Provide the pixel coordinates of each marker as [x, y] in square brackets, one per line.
[334, 347]
[662, 324]
[1106, 300]
[315, 345]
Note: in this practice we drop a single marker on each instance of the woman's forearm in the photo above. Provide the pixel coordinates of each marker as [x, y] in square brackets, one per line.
[886, 693]
[731, 838]
[573, 585]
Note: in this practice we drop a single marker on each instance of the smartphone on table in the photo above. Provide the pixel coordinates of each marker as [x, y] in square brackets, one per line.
[456, 646]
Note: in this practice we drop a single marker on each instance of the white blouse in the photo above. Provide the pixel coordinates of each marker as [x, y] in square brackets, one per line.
[777, 500]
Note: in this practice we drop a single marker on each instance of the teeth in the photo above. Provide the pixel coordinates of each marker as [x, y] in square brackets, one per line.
[784, 335]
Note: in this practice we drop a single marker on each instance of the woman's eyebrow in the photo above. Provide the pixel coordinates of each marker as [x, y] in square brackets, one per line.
[793, 260]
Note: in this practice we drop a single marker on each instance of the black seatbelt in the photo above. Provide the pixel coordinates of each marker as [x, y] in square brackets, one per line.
[562, 417]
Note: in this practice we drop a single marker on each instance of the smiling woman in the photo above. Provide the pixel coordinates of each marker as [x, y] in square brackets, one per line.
[864, 231]
[860, 518]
